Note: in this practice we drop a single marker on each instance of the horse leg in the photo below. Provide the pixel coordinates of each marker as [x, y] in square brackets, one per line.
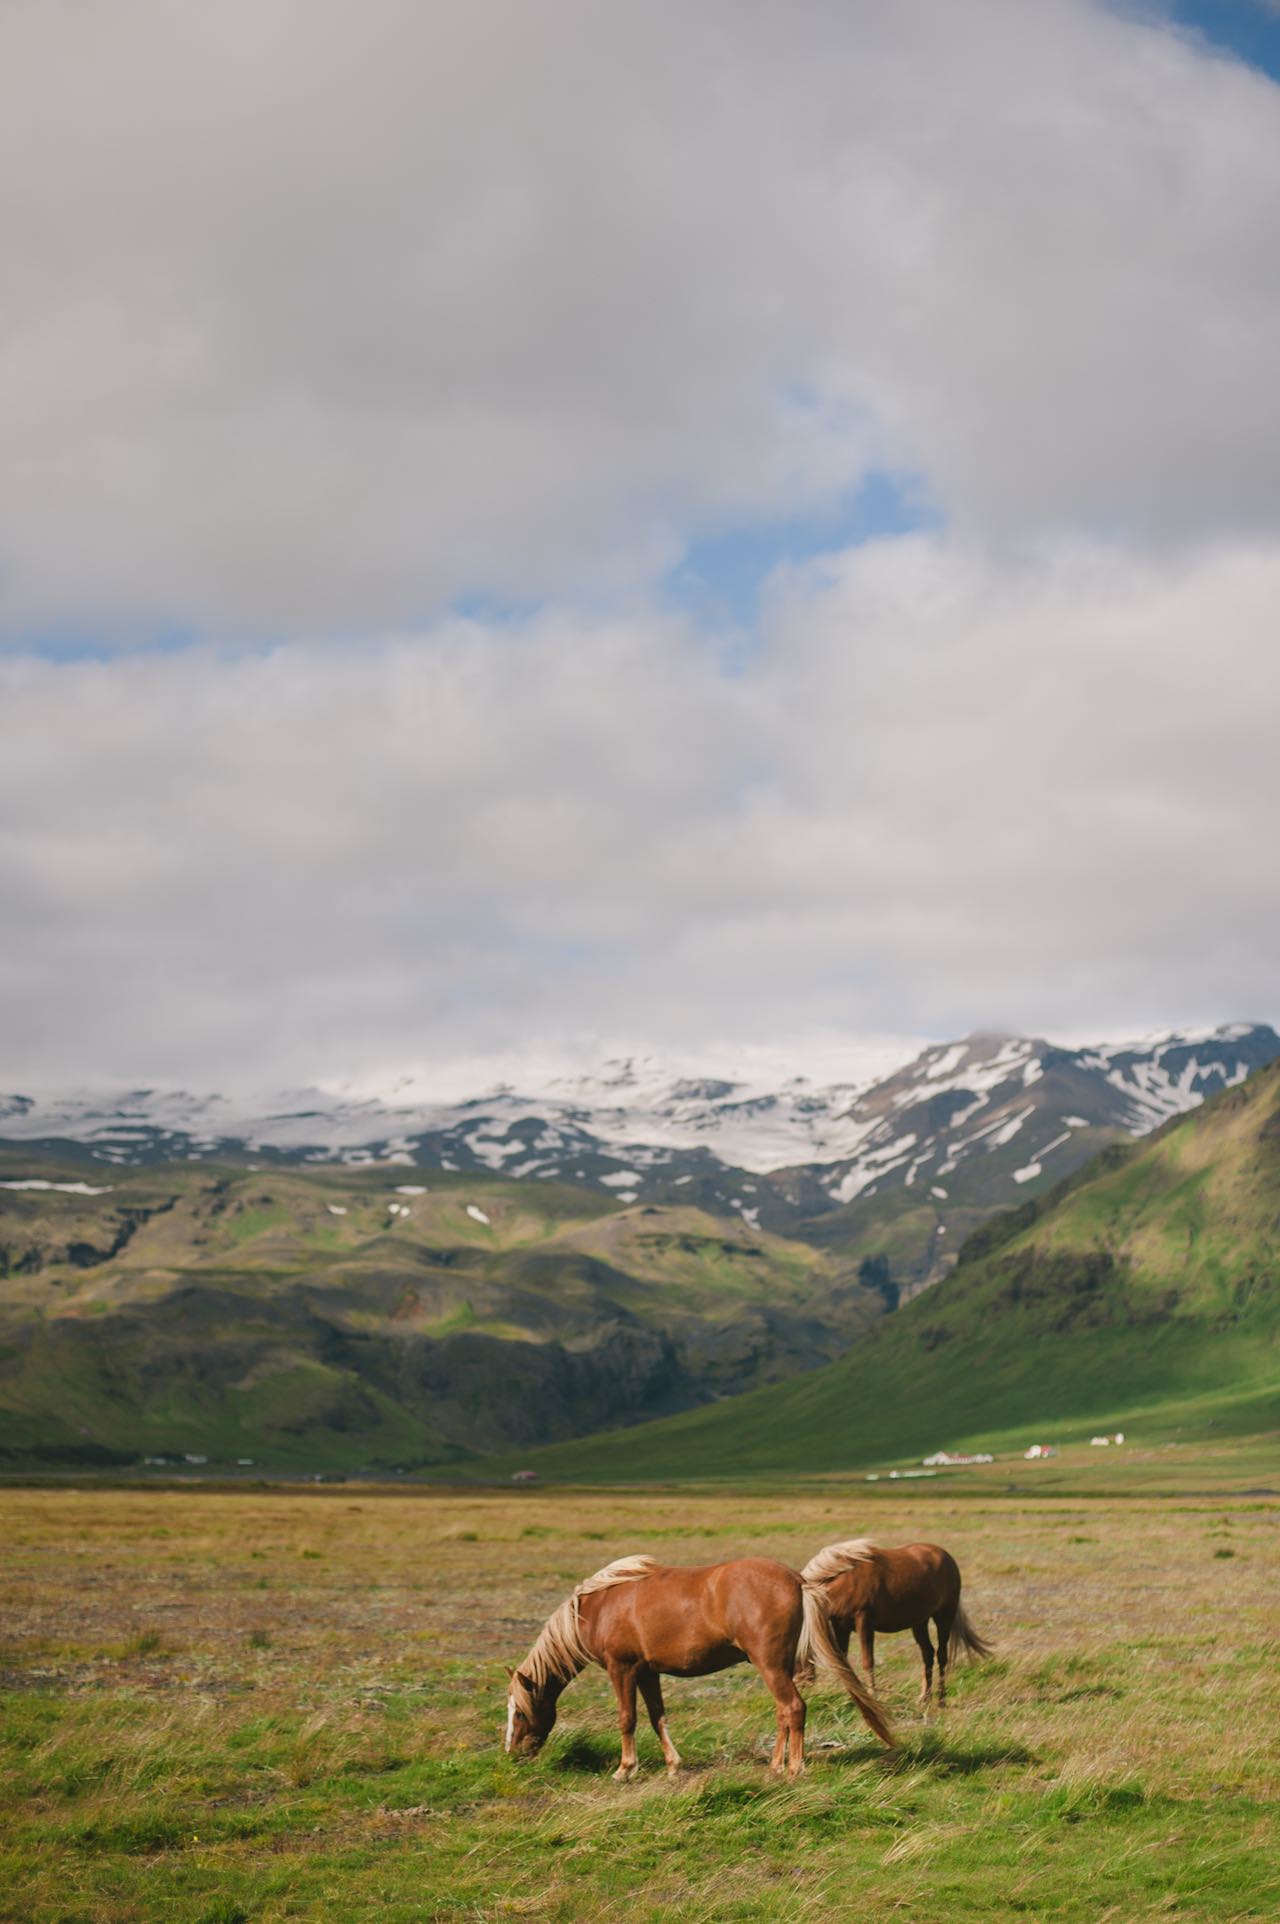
[943, 1622]
[780, 1741]
[920, 1631]
[791, 1717]
[623, 1679]
[651, 1690]
[867, 1639]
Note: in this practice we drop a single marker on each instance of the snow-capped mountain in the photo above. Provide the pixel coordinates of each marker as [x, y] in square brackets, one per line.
[632, 1107]
[996, 1116]
[992, 1117]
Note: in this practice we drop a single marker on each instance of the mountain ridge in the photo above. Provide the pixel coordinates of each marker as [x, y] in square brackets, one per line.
[896, 1170]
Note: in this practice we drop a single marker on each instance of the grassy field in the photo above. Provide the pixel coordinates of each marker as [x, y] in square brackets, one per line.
[263, 1705]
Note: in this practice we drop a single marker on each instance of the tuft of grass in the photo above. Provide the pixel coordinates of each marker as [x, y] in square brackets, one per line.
[133, 1834]
[148, 1643]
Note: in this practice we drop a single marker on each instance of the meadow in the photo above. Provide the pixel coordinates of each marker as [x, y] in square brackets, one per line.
[267, 1704]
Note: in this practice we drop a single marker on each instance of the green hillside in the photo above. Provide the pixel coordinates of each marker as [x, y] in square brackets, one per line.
[341, 1318]
[1141, 1293]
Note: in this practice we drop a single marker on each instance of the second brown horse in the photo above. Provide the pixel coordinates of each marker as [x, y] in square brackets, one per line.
[869, 1589]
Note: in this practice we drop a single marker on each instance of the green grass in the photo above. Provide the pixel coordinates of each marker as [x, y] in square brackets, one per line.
[875, 1411]
[248, 1223]
[179, 1743]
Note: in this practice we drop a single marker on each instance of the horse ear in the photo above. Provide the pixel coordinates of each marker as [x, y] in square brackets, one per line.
[510, 1672]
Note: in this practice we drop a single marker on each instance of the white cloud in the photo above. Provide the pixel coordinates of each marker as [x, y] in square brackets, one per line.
[317, 315]
[944, 794]
[318, 318]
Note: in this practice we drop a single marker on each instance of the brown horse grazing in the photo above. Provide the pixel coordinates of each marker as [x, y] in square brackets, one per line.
[640, 1619]
[874, 1589]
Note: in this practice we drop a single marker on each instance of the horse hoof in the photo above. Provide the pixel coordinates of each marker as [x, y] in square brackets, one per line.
[623, 1775]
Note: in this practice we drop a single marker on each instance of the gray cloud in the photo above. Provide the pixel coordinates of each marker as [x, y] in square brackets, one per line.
[944, 793]
[318, 316]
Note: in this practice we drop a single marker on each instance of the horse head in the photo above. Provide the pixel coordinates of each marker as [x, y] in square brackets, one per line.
[531, 1714]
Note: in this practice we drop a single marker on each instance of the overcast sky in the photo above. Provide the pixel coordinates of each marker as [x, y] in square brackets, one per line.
[671, 526]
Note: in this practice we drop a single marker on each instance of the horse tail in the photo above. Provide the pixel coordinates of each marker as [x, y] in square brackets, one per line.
[964, 1635]
[816, 1641]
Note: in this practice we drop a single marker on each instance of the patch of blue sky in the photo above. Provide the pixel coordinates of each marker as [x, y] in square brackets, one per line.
[487, 611]
[80, 639]
[1248, 30]
[721, 577]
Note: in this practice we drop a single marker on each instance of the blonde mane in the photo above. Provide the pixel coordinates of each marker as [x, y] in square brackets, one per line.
[836, 1557]
[558, 1650]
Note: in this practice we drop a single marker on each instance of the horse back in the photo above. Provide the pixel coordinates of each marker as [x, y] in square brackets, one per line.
[897, 1588]
[917, 1580]
[688, 1622]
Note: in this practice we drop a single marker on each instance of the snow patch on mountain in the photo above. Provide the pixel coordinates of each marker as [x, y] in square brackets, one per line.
[997, 1138]
[65, 1188]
